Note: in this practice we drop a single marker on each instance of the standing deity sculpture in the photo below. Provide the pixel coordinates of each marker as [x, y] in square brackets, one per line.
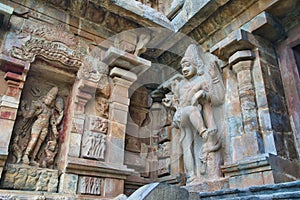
[192, 94]
[39, 122]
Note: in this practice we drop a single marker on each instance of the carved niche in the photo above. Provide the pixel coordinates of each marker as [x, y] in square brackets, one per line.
[36, 134]
[31, 164]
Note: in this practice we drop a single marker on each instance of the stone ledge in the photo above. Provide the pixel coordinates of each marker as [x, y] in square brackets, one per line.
[213, 185]
[283, 190]
[83, 166]
[247, 166]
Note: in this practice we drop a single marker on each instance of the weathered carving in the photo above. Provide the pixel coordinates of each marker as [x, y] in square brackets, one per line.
[164, 167]
[164, 150]
[54, 51]
[89, 185]
[102, 106]
[94, 146]
[143, 40]
[95, 13]
[27, 178]
[191, 98]
[151, 3]
[78, 6]
[94, 70]
[39, 122]
[51, 33]
[97, 124]
[132, 143]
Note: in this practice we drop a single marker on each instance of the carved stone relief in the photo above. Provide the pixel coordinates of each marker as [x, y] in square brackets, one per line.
[49, 32]
[192, 95]
[132, 144]
[54, 51]
[164, 150]
[93, 145]
[36, 135]
[164, 167]
[89, 185]
[97, 124]
[22, 177]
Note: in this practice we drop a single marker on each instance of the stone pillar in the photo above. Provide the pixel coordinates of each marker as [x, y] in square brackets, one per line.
[83, 91]
[124, 70]
[254, 149]
[119, 105]
[249, 143]
[15, 75]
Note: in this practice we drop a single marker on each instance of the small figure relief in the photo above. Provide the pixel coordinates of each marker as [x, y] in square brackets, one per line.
[164, 167]
[165, 134]
[89, 185]
[143, 40]
[192, 98]
[94, 146]
[22, 177]
[132, 143]
[151, 3]
[98, 124]
[53, 183]
[33, 176]
[37, 133]
[102, 107]
[164, 150]
[42, 184]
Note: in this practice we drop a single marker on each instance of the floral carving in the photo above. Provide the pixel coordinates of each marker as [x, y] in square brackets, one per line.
[54, 51]
[51, 33]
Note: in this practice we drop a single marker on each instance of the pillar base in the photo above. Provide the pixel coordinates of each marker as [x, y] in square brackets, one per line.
[261, 170]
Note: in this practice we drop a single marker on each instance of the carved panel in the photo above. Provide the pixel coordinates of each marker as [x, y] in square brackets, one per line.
[89, 185]
[97, 124]
[164, 167]
[132, 144]
[102, 106]
[22, 177]
[93, 145]
[52, 33]
[78, 6]
[165, 134]
[94, 70]
[164, 150]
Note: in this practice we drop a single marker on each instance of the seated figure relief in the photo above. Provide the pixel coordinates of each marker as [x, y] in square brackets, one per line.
[39, 123]
[191, 96]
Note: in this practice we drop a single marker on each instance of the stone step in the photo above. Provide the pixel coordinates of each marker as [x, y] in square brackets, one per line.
[290, 190]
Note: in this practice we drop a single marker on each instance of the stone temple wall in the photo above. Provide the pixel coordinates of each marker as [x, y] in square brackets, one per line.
[98, 98]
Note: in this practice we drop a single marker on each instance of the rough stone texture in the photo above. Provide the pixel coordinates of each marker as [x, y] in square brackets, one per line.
[163, 191]
[64, 42]
[274, 191]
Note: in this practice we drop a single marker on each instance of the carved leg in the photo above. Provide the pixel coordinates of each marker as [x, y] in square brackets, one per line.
[188, 157]
[29, 148]
[197, 120]
[38, 145]
[209, 118]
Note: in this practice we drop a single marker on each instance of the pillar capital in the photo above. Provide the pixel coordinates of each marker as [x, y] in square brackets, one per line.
[241, 60]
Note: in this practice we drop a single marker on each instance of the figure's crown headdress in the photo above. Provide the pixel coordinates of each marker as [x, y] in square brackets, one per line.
[192, 55]
[53, 92]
